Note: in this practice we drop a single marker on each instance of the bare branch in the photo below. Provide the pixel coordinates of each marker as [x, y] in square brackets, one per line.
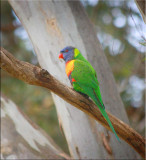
[36, 76]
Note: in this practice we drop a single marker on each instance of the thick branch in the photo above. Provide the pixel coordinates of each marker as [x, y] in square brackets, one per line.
[36, 76]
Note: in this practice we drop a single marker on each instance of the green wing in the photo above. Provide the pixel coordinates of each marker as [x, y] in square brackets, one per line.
[84, 74]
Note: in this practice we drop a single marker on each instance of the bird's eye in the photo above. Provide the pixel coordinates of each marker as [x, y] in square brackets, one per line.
[66, 50]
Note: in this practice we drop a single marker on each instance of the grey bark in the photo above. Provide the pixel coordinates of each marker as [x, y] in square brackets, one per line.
[52, 25]
[21, 138]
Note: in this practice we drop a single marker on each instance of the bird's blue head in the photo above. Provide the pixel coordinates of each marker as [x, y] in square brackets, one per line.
[67, 53]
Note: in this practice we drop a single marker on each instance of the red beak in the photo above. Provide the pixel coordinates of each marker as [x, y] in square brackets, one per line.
[61, 56]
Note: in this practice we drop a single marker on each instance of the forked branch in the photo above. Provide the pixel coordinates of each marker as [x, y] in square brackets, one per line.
[36, 76]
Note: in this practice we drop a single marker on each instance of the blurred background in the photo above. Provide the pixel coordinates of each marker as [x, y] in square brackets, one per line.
[121, 32]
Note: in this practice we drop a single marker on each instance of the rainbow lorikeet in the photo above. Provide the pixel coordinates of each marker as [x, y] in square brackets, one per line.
[83, 78]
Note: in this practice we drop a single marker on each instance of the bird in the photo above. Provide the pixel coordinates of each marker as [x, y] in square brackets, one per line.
[83, 78]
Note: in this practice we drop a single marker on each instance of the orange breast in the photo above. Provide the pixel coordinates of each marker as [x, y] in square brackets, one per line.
[69, 67]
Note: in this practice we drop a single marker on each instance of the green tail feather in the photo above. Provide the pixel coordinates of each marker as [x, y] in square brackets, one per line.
[96, 97]
[99, 103]
[109, 122]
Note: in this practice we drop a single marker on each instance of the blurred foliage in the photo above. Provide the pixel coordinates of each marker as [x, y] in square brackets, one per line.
[122, 55]
[121, 40]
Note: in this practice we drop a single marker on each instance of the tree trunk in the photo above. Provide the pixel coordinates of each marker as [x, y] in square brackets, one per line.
[52, 25]
[21, 138]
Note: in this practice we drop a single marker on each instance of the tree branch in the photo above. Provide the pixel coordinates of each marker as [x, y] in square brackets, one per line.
[36, 76]
[141, 6]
